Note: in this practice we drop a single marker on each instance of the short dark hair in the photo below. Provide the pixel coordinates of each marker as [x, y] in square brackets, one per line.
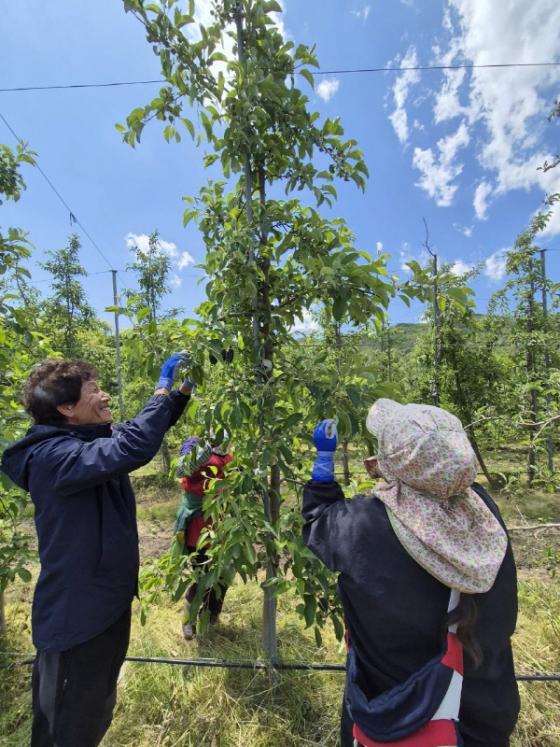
[53, 383]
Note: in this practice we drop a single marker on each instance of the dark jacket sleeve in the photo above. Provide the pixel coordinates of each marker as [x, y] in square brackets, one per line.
[76, 465]
[179, 402]
[328, 524]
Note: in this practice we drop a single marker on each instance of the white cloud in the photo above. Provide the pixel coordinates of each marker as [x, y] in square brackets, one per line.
[406, 255]
[179, 260]
[184, 260]
[399, 117]
[495, 265]
[460, 267]
[510, 104]
[306, 324]
[553, 225]
[408, 3]
[447, 104]
[175, 281]
[480, 202]
[465, 230]
[142, 242]
[362, 14]
[439, 171]
[327, 88]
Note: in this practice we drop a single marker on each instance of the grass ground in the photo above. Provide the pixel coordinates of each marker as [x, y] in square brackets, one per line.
[164, 706]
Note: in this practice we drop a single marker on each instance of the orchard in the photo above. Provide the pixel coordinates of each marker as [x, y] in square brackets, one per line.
[273, 255]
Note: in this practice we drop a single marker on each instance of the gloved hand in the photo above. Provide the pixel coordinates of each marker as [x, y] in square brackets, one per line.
[325, 439]
[170, 367]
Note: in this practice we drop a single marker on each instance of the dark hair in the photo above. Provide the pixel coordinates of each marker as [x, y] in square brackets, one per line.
[53, 383]
[465, 616]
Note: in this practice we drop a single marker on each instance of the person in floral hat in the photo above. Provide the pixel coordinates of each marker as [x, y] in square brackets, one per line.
[428, 584]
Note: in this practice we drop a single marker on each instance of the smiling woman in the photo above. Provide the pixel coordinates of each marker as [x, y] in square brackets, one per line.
[75, 465]
[58, 391]
[91, 408]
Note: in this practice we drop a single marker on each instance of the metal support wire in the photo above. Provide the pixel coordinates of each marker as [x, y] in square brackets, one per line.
[27, 659]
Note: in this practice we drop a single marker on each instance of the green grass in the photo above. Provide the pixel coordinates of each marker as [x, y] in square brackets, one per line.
[183, 707]
[165, 706]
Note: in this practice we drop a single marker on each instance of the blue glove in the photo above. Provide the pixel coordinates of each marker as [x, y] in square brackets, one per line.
[170, 367]
[325, 439]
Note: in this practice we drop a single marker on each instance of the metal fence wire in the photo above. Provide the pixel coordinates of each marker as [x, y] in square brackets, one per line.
[302, 666]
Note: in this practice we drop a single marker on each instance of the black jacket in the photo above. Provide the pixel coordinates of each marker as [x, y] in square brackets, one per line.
[85, 516]
[395, 610]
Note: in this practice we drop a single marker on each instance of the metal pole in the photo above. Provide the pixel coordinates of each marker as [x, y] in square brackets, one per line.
[549, 444]
[437, 319]
[118, 347]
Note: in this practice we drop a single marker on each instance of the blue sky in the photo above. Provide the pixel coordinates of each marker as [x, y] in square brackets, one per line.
[459, 148]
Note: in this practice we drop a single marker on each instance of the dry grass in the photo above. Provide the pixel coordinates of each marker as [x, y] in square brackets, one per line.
[165, 706]
[183, 707]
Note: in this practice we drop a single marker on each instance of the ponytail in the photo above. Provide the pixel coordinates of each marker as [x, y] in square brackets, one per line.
[465, 616]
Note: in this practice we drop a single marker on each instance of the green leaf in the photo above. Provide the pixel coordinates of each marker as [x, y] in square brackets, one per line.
[189, 125]
[24, 574]
[305, 73]
[338, 309]
[318, 636]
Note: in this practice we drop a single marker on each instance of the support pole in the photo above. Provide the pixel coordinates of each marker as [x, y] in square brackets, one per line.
[548, 441]
[118, 348]
[437, 319]
[531, 375]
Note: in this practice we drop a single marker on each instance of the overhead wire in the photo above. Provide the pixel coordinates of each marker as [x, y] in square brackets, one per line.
[339, 71]
[72, 214]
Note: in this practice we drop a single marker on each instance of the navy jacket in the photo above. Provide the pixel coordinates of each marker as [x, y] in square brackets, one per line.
[395, 610]
[85, 516]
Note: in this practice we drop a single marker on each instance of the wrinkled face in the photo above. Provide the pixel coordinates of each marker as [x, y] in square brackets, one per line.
[91, 409]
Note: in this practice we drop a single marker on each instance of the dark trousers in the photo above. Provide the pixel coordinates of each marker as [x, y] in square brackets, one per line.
[214, 598]
[75, 691]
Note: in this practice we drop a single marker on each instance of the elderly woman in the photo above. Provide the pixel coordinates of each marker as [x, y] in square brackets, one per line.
[426, 574]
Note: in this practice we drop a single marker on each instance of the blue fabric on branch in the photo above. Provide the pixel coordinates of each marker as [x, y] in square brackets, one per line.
[85, 516]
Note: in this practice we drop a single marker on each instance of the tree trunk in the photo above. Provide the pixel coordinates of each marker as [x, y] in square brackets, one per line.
[165, 457]
[263, 351]
[532, 453]
[483, 467]
[272, 497]
[2, 615]
[467, 416]
[345, 462]
[272, 514]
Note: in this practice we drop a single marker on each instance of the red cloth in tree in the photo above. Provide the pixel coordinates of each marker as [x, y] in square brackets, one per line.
[197, 485]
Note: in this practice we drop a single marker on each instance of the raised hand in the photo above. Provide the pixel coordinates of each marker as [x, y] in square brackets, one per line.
[170, 368]
[325, 439]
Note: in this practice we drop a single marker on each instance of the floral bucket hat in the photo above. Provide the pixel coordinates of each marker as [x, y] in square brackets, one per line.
[428, 466]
